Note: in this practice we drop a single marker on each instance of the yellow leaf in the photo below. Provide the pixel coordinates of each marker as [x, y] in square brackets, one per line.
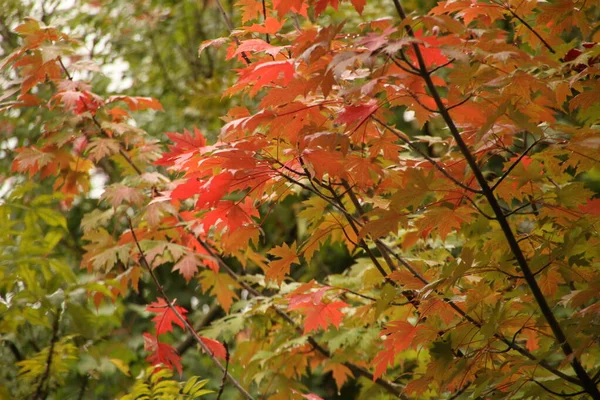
[219, 285]
[279, 268]
[120, 364]
[341, 373]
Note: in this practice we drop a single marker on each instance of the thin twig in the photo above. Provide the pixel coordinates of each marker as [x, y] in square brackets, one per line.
[188, 326]
[224, 380]
[514, 164]
[441, 66]
[547, 389]
[207, 319]
[230, 27]
[264, 10]
[431, 160]
[521, 20]
[403, 68]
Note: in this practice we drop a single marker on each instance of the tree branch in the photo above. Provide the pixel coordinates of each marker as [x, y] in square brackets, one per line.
[521, 20]
[230, 27]
[560, 336]
[42, 388]
[224, 380]
[514, 164]
[207, 319]
[431, 160]
[184, 321]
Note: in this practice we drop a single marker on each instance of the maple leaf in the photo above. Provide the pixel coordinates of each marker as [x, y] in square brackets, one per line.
[70, 98]
[166, 317]
[250, 9]
[187, 266]
[269, 26]
[321, 5]
[161, 353]
[550, 280]
[118, 193]
[357, 114]
[359, 5]
[312, 396]
[285, 6]
[186, 145]
[89, 102]
[429, 50]
[323, 162]
[106, 260]
[31, 159]
[533, 340]
[399, 337]
[259, 75]
[255, 46]
[591, 207]
[320, 315]
[230, 216]
[215, 347]
[214, 189]
[99, 148]
[137, 103]
[219, 285]
[340, 372]
[418, 386]
[216, 43]
[303, 295]
[279, 268]
[445, 220]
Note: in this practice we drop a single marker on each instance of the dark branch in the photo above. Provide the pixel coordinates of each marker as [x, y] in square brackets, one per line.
[513, 165]
[539, 297]
[224, 380]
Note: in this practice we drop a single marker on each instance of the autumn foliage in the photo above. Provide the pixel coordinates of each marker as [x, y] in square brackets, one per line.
[446, 153]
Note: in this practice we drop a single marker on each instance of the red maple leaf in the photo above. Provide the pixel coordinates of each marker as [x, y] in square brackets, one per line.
[429, 50]
[161, 353]
[591, 207]
[230, 215]
[303, 295]
[263, 74]
[357, 114]
[186, 145]
[321, 5]
[399, 337]
[137, 103]
[285, 6]
[163, 322]
[215, 347]
[320, 315]
[255, 46]
[270, 25]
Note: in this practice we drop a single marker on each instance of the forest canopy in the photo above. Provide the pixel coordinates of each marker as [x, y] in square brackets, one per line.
[299, 199]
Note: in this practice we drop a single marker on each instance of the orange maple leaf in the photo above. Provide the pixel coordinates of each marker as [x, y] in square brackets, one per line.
[279, 268]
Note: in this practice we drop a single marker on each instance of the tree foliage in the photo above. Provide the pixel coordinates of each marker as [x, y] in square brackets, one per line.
[396, 205]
